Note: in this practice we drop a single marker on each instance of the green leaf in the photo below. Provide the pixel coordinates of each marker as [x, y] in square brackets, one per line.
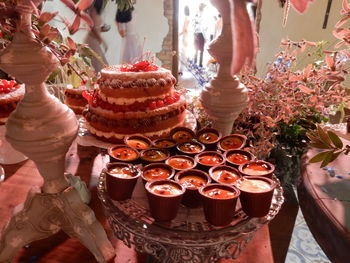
[319, 157]
[335, 156]
[319, 145]
[335, 139]
[323, 136]
[327, 159]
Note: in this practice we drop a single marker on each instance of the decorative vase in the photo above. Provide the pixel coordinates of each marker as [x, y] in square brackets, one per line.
[224, 97]
[43, 129]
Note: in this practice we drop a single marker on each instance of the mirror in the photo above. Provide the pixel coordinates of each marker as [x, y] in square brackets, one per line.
[149, 26]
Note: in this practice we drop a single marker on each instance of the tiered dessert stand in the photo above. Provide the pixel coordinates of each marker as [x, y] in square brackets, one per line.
[43, 129]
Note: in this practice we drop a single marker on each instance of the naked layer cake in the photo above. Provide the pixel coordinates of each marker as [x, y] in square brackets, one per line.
[138, 98]
[74, 99]
[10, 94]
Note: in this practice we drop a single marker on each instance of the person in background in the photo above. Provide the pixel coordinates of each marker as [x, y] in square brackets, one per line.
[199, 31]
[94, 38]
[131, 47]
[184, 34]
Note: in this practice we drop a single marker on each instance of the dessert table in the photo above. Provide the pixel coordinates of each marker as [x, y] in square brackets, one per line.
[87, 162]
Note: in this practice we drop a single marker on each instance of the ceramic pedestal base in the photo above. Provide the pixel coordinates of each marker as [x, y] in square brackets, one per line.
[62, 211]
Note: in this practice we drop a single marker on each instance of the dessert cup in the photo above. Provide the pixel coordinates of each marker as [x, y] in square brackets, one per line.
[182, 134]
[207, 159]
[192, 180]
[209, 137]
[157, 171]
[256, 201]
[164, 197]
[224, 174]
[121, 179]
[235, 158]
[190, 148]
[123, 153]
[138, 142]
[181, 162]
[165, 143]
[219, 203]
[257, 168]
[154, 155]
[232, 142]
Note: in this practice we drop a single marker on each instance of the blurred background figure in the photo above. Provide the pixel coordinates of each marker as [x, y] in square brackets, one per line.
[199, 37]
[94, 38]
[131, 47]
[184, 35]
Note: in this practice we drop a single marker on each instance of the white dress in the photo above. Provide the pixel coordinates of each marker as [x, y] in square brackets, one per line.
[131, 47]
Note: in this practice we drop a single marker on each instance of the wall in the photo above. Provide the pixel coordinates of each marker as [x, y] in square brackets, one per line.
[307, 26]
[150, 24]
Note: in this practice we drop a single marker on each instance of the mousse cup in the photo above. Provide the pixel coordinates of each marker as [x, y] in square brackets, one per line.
[224, 174]
[232, 142]
[192, 180]
[209, 137]
[237, 157]
[164, 197]
[157, 171]
[256, 195]
[121, 179]
[138, 142]
[257, 168]
[165, 143]
[190, 148]
[219, 203]
[154, 155]
[181, 162]
[207, 159]
[123, 153]
[182, 134]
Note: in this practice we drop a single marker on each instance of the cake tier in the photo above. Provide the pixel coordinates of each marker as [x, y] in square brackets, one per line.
[9, 100]
[114, 126]
[73, 99]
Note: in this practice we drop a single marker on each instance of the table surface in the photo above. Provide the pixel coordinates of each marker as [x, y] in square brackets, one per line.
[87, 163]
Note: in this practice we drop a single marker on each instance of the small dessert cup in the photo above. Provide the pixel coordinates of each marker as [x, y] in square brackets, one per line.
[157, 171]
[164, 197]
[181, 162]
[206, 160]
[121, 179]
[154, 155]
[123, 153]
[256, 195]
[192, 180]
[219, 203]
[182, 134]
[209, 137]
[138, 142]
[224, 174]
[190, 148]
[165, 143]
[232, 142]
[235, 158]
[257, 168]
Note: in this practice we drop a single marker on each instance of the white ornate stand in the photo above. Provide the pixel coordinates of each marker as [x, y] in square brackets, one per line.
[43, 129]
[224, 97]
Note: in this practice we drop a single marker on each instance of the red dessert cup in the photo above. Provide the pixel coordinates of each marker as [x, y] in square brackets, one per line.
[163, 202]
[154, 155]
[157, 171]
[257, 168]
[138, 142]
[219, 211]
[181, 162]
[123, 153]
[120, 187]
[256, 203]
[182, 134]
[209, 137]
[190, 148]
[192, 180]
[224, 174]
[232, 142]
[165, 143]
[235, 158]
[206, 160]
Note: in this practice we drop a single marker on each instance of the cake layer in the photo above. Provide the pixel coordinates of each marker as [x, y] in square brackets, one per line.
[155, 131]
[15, 95]
[7, 108]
